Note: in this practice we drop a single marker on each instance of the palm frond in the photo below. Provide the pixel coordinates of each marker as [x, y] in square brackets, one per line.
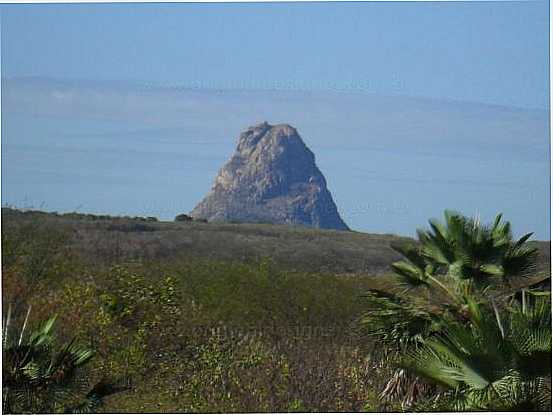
[37, 378]
[494, 370]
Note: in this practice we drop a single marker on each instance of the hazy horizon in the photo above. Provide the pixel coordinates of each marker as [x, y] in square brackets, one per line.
[410, 108]
[155, 151]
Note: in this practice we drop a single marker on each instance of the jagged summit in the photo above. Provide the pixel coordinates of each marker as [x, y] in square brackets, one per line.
[272, 177]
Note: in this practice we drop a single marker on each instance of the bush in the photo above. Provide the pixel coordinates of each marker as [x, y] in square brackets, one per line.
[183, 218]
[130, 227]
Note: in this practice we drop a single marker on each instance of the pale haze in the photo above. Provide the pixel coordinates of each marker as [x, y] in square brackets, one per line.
[409, 108]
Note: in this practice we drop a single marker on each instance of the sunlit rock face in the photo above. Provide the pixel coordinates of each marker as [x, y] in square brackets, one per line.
[272, 177]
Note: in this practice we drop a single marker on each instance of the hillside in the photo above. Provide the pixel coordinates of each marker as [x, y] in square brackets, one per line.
[184, 317]
[104, 239]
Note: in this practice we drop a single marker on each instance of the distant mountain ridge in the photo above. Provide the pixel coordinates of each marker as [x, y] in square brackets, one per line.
[271, 177]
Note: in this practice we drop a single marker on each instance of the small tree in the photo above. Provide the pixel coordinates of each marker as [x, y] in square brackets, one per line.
[183, 218]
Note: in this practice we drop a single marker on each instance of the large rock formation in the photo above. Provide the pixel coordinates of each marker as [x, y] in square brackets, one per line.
[272, 177]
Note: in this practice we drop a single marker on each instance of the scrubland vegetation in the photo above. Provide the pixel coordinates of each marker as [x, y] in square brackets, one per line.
[462, 322]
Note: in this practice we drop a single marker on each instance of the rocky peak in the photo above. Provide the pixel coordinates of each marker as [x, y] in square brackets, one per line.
[272, 177]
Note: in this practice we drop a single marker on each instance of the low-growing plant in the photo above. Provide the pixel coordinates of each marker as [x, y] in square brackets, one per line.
[39, 377]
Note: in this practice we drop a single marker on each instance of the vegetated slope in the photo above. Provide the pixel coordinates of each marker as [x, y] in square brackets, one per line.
[105, 239]
[291, 247]
[272, 339]
[193, 335]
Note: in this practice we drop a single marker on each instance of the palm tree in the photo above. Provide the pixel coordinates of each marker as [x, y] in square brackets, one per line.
[492, 363]
[37, 378]
[465, 249]
[454, 260]
[443, 280]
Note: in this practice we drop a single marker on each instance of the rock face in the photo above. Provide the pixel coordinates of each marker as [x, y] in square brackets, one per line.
[272, 177]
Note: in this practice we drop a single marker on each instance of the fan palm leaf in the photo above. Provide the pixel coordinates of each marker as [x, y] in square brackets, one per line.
[449, 330]
[38, 378]
[487, 369]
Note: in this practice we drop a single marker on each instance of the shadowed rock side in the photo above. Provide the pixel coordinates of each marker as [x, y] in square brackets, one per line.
[272, 177]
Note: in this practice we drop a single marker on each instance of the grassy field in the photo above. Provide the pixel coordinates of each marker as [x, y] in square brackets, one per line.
[294, 248]
[105, 239]
[203, 317]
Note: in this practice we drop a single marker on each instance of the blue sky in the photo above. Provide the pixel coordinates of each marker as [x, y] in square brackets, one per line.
[410, 108]
[494, 52]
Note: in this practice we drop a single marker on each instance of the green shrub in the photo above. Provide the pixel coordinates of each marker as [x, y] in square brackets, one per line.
[39, 377]
[183, 218]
